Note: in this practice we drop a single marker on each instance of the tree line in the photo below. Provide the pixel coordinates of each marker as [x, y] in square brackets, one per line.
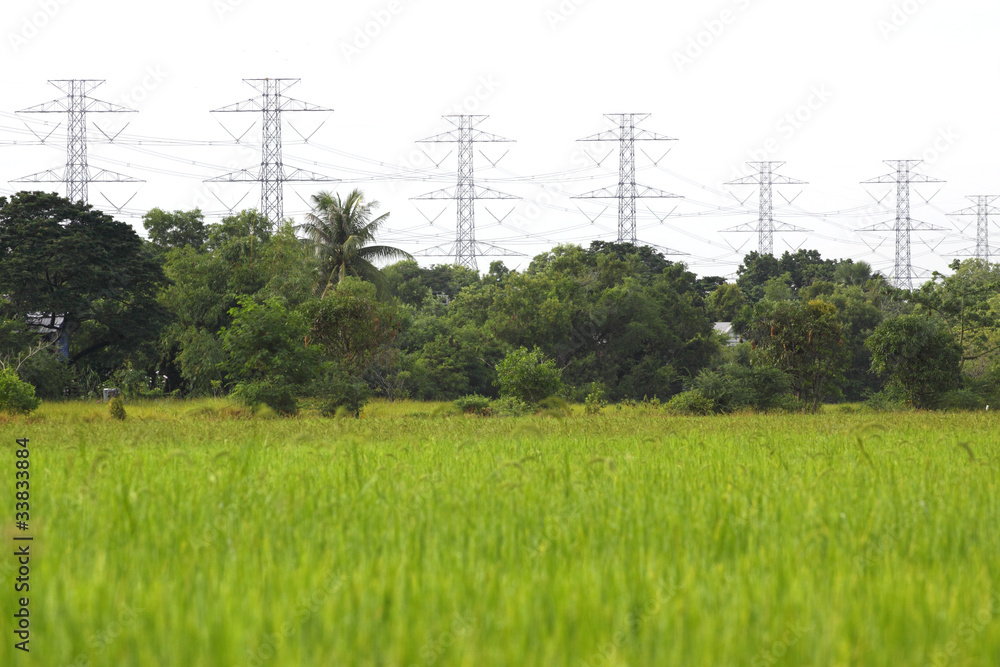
[302, 315]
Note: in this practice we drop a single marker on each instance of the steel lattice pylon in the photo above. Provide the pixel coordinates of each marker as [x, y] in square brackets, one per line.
[465, 237]
[766, 225]
[983, 209]
[628, 190]
[272, 175]
[466, 248]
[76, 105]
[904, 224]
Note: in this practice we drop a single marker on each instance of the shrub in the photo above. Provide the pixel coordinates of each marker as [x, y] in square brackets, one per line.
[49, 373]
[596, 400]
[724, 392]
[555, 406]
[117, 408]
[528, 376]
[275, 394]
[474, 404]
[889, 399]
[265, 354]
[131, 382]
[962, 399]
[920, 357]
[690, 403]
[342, 394]
[735, 387]
[16, 396]
[510, 407]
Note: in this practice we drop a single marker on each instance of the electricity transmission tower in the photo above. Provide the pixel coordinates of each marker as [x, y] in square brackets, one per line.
[983, 209]
[271, 175]
[766, 225]
[77, 104]
[628, 191]
[903, 273]
[466, 248]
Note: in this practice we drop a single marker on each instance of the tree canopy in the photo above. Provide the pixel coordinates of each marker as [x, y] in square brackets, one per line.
[280, 314]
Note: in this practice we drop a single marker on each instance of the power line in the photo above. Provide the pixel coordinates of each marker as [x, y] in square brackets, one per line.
[628, 190]
[77, 103]
[466, 248]
[766, 225]
[903, 176]
[272, 176]
[983, 209]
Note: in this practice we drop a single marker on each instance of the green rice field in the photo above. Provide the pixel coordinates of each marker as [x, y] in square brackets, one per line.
[194, 534]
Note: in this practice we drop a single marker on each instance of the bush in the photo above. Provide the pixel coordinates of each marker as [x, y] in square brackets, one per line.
[16, 396]
[117, 408]
[888, 400]
[266, 356]
[690, 403]
[920, 357]
[50, 375]
[724, 392]
[596, 400]
[528, 376]
[555, 406]
[341, 394]
[131, 382]
[510, 407]
[274, 394]
[962, 400]
[736, 387]
[474, 404]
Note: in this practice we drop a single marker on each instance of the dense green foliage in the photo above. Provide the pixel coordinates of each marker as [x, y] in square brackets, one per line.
[342, 232]
[920, 357]
[116, 408]
[626, 538]
[176, 230]
[805, 340]
[528, 376]
[16, 396]
[265, 357]
[160, 318]
[80, 273]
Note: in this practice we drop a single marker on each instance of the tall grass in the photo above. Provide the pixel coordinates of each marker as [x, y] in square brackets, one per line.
[194, 534]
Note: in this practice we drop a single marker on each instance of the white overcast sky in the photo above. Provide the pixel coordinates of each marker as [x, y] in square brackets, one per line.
[885, 79]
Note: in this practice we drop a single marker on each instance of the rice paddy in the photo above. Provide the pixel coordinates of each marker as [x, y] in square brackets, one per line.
[194, 534]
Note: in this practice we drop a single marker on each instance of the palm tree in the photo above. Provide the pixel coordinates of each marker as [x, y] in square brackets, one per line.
[341, 230]
[853, 273]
